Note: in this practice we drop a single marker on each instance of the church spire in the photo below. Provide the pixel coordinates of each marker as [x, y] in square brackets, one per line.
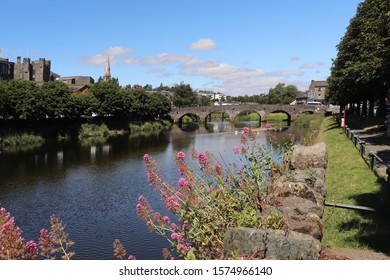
[107, 73]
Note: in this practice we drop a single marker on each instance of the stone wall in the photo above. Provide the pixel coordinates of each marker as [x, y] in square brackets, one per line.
[299, 197]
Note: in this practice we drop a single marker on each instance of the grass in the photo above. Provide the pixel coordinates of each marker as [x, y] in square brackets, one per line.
[248, 117]
[20, 142]
[350, 181]
[97, 131]
[277, 117]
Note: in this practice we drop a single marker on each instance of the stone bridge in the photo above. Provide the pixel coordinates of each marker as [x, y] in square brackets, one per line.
[263, 110]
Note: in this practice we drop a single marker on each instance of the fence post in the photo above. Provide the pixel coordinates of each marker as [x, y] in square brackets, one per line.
[355, 140]
[348, 131]
[362, 150]
[352, 135]
[372, 160]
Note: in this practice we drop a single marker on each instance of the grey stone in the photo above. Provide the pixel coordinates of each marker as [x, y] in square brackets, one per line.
[309, 224]
[314, 177]
[297, 206]
[270, 244]
[289, 189]
[304, 157]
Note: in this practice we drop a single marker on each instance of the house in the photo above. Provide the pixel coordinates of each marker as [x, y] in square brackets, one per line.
[6, 69]
[301, 97]
[81, 89]
[317, 91]
[76, 80]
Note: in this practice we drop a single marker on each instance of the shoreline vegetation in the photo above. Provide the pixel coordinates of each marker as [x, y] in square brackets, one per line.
[88, 133]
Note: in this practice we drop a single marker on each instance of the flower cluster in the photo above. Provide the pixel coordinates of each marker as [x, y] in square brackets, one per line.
[209, 199]
[12, 245]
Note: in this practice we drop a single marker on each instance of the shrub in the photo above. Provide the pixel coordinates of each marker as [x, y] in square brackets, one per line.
[212, 198]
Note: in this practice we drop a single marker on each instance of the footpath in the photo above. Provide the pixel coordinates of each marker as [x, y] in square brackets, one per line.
[375, 140]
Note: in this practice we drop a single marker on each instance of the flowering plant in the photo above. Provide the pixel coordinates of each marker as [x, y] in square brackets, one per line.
[212, 198]
[51, 243]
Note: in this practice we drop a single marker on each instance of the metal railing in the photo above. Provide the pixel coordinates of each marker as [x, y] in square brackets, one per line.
[370, 157]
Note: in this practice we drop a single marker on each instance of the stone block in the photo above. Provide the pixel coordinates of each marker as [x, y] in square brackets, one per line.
[304, 157]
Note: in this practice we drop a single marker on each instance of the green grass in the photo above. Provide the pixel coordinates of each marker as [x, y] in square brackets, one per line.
[248, 117]
[277, 117]
[350, 181]
[21, 142]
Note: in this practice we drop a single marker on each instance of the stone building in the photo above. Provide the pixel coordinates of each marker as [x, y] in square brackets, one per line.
[76, 80]
[38, 70]
[317, 91]
[6, 69]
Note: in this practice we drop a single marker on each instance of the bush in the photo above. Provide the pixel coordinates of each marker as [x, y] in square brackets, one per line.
[209, 200]
[14, 141]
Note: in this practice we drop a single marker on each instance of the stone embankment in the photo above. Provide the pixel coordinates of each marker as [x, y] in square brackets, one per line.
[299, 197]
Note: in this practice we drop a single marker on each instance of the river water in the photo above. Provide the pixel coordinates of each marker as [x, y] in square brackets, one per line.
[94, 189]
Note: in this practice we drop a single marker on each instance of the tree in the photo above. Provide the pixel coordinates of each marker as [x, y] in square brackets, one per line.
[183, 95]
[83, 104]
[282, 94]
[360, 70]
[148, 106]
[56, 100]
[107, 94]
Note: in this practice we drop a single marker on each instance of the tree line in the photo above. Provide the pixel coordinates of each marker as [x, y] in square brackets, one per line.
[30, 101]
[360, 72]
[27, 100]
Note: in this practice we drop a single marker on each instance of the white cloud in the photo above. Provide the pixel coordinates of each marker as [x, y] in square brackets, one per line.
[98, 59]
[203, 45]
[307, 66]
[114, 53]
[131, 60]
[166, 58]
[119, 51]
[295, 58]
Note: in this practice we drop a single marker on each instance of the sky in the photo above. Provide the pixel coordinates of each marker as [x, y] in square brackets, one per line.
[236, 47]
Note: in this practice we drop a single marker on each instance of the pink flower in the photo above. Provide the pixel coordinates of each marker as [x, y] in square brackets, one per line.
[203, 160]
[245, 130]
[267, 126]
[30, 251]
[146, 158]
[180, 155]
[218, 168]
[131, 258]
[176, 236]
[236, 150]
[173, 226]
[183, 183]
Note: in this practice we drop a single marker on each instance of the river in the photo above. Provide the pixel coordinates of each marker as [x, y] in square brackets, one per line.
[94, 188]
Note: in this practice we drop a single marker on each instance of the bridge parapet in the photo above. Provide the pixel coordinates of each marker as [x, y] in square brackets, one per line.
[234, 110]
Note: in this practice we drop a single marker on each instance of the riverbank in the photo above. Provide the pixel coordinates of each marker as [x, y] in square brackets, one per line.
[350, 181]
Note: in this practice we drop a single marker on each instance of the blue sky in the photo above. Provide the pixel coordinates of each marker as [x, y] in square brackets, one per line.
[235, 47]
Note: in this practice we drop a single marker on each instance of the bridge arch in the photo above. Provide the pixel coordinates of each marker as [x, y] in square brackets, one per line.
[224, 115]
[247, 112]
[192, 116]
[289, 118]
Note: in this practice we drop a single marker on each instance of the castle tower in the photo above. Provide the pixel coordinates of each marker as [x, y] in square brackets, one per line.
[107, 73]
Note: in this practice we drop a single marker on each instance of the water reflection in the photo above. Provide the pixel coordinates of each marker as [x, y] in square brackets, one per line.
[94, 188]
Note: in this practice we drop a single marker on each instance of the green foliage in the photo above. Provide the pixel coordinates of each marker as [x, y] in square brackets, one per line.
[95, 131]
[183, 95]
[279, 94]
[27, 100]
[360, 70]
[20, 142]
[84, 104]
[211, 198]
[311, 123]
[350, 181]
